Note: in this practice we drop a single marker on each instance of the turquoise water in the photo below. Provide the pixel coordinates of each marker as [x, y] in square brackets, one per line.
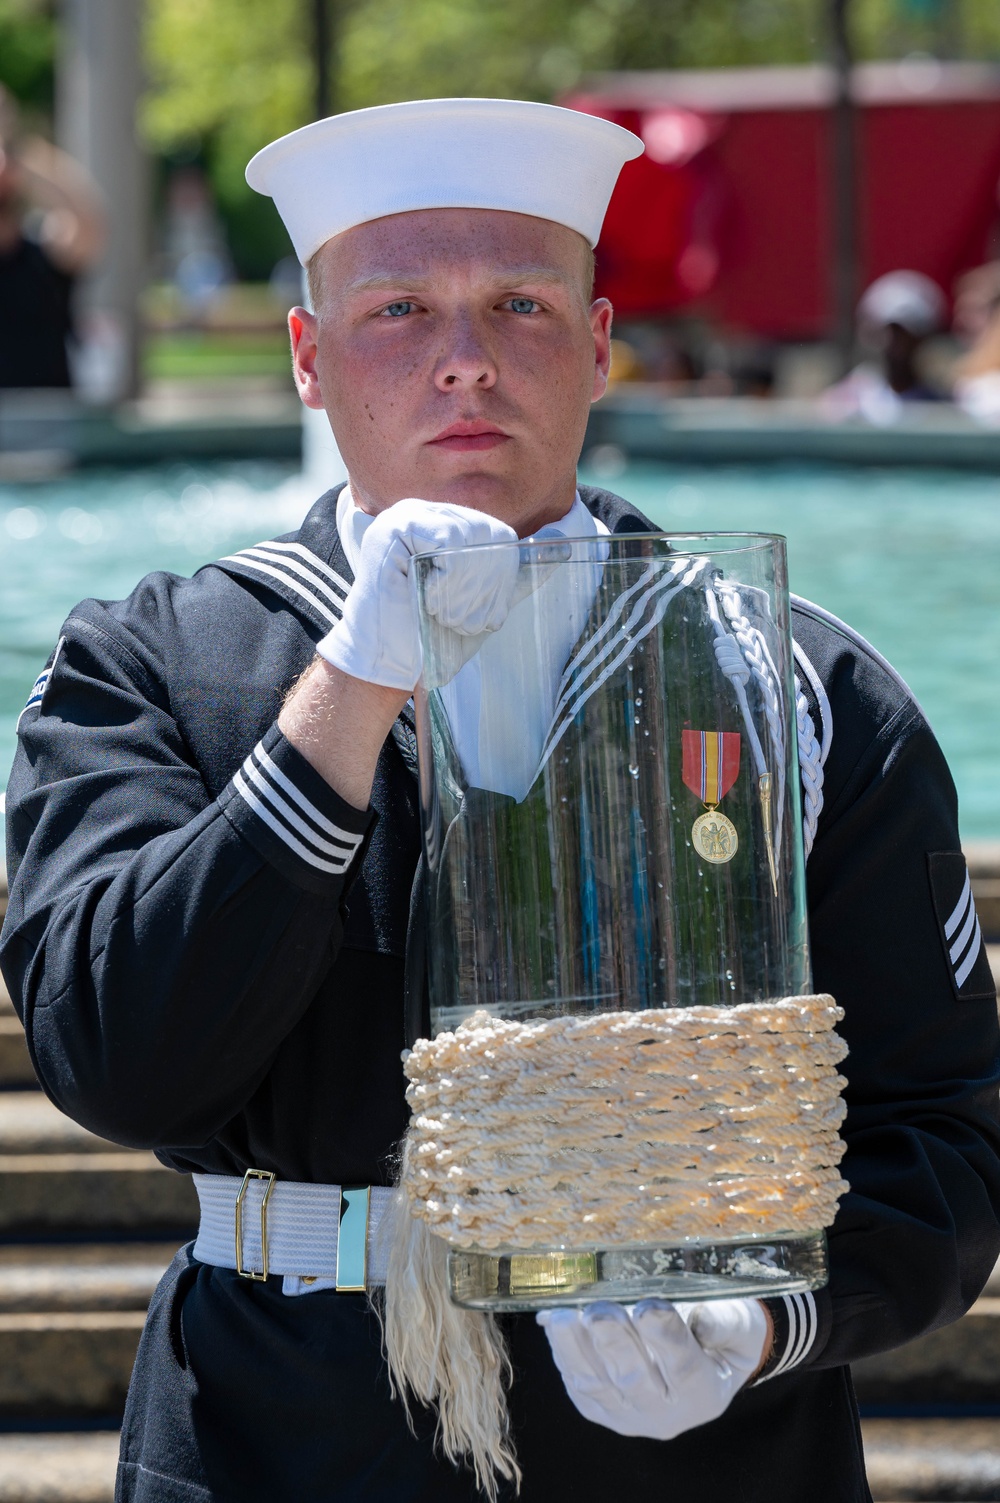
[910, 557]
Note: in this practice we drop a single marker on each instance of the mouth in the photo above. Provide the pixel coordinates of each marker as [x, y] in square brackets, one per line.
[470, 436]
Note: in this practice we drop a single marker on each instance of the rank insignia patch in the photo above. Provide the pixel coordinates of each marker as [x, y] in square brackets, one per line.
[951, 889]
[41, 683]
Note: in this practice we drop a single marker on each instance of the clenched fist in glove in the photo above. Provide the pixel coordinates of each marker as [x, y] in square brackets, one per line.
[657, 1369]
[377, 639]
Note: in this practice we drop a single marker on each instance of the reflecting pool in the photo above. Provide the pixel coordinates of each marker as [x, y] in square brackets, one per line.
[910, 557]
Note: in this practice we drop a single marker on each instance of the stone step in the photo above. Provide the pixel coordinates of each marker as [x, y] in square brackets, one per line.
[15, 1062]
[30, 1124]
[959, 1364]
[58, 1468]
[908, 1461]
[75, 1358]
[45, 1193]
[937, 1460]
[70, 1321]
[57, 1177]
[50, 1278]
[72, 1362]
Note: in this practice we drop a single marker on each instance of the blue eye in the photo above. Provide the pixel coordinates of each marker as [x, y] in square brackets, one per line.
[397, 310]
[522, 304]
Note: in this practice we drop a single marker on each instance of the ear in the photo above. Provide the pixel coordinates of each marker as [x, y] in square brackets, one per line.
[302, 332]
[600, 323]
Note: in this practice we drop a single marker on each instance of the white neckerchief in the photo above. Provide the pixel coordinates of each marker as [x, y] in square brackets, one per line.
[500, 704]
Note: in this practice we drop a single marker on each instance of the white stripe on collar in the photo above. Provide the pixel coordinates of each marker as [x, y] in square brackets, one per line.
[304, 576]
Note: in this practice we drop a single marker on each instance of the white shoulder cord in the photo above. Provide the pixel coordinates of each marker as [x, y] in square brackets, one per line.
[812, 753]
[746, 652]
[740, 655]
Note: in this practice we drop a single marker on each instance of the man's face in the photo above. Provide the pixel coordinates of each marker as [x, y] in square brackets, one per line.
[456, 355]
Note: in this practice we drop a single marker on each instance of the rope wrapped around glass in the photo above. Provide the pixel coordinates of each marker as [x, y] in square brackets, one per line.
[630, 1090]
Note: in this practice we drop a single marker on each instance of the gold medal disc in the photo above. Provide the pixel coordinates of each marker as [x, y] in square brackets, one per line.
[715, 838]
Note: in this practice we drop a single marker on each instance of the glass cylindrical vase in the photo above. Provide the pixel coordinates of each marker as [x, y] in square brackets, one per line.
[629, 1091]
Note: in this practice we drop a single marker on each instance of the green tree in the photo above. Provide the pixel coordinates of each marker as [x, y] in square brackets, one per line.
[226, 76]
[27, 53]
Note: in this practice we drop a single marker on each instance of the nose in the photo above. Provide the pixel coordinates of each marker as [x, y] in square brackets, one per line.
[466, 360]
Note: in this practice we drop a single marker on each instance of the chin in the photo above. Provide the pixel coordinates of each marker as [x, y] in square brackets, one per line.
[487, 493]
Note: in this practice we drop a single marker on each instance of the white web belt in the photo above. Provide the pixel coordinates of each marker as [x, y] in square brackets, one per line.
[261, 1225]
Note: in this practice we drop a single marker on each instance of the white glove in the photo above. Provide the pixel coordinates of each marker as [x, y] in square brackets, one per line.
[377, 640]
[658, 1369]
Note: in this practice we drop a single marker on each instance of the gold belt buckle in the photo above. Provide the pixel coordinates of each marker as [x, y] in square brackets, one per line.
[248, 1273]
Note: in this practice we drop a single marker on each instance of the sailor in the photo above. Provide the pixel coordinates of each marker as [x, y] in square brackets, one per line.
[213, 839]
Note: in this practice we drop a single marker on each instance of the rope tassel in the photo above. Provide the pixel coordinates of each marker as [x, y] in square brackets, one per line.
[450, 1359]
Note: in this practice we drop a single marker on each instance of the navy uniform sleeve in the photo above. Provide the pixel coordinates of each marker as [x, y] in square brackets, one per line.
[895, 940]
[160, 943]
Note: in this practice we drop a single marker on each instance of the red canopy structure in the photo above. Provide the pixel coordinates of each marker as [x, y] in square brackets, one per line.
[729, 213]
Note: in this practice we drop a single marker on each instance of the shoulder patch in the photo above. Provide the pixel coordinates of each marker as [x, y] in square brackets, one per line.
[961, 935]
[41, 683]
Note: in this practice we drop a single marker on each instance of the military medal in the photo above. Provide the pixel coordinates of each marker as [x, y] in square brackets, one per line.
[710, 767]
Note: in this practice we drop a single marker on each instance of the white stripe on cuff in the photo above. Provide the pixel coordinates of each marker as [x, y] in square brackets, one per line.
[803, 1326]
[285, 810]
[274, 772]
[331, 851]
[262, 812]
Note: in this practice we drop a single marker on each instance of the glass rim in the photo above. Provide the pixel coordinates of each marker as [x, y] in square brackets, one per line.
[745, 542]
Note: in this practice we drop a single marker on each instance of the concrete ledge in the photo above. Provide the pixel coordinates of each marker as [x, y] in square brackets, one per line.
[58, 1468]
[960, 1364]
[645, 424]
[52, 426]
[944, 1460]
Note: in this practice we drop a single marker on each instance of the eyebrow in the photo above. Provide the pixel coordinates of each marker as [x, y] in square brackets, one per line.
[513, 276]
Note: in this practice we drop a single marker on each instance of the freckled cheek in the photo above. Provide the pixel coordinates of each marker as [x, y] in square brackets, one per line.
[556, 375]
[363, 380]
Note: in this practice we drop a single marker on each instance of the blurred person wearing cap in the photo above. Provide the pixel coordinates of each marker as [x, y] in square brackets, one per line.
[896, 315]
[51, 230]
[214, 934]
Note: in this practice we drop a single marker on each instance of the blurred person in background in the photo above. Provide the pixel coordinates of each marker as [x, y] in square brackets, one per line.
[977, 324]
[51, 231]
[896, 315]
[195, 251]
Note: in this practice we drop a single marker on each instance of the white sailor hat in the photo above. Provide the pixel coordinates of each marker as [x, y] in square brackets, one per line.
[508, 154]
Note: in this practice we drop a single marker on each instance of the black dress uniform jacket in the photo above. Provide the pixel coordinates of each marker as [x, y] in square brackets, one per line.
[208, 949]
